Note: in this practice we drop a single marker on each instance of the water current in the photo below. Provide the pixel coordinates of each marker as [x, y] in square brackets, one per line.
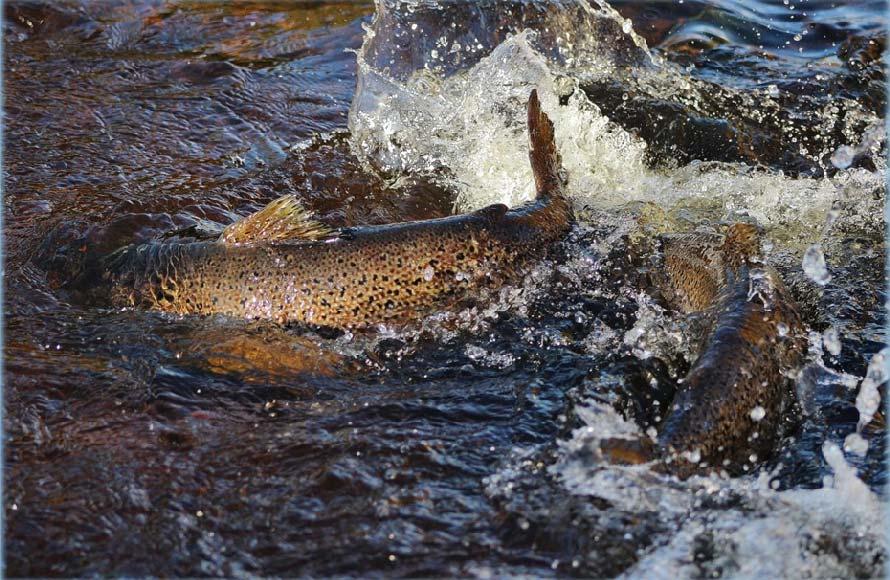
[141, 443]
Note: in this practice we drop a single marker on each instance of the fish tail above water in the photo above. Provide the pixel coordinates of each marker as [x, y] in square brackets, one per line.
[550, 213]
[543, 154]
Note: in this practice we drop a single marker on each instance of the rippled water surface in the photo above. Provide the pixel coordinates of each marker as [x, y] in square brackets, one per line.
[140, 443]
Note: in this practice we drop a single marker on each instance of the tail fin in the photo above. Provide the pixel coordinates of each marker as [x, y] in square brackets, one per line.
[545, 160]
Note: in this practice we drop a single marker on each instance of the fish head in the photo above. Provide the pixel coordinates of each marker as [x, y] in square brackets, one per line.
[70, 255]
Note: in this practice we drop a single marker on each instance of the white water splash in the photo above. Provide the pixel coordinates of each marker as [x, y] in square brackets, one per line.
[763, 533]
[832, 340]
[465, 125]
[468, 129]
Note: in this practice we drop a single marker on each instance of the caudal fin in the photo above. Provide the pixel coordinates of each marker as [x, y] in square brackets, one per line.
[545, 159]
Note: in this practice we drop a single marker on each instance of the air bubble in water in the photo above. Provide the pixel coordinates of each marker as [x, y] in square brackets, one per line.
[814, 265]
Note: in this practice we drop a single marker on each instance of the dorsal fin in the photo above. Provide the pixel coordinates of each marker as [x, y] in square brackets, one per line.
[544, 157]
[742, 244]
[282, 219]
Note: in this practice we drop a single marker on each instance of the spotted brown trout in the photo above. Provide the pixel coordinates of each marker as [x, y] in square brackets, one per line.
[280, 265]
[729, 410]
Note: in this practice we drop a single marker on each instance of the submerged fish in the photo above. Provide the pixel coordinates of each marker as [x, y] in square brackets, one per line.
[729, 410]
[278, 264]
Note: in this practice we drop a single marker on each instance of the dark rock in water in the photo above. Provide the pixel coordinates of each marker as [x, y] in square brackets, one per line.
[677, 134]
[864, 57]
[673, 132]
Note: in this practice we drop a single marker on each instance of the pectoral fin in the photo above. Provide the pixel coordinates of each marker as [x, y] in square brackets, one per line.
[283, 219]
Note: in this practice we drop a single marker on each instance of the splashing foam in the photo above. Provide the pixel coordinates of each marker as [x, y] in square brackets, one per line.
[752, 529]
[467, 128]
[458, 114]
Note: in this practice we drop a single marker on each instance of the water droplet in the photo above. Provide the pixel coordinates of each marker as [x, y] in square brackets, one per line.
[832, 341]
[868, 400]
[856, 444]
[758, 413]
[814, 265]
[843, 157]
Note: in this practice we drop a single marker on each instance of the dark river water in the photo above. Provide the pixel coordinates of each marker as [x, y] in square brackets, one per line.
[140, 443]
